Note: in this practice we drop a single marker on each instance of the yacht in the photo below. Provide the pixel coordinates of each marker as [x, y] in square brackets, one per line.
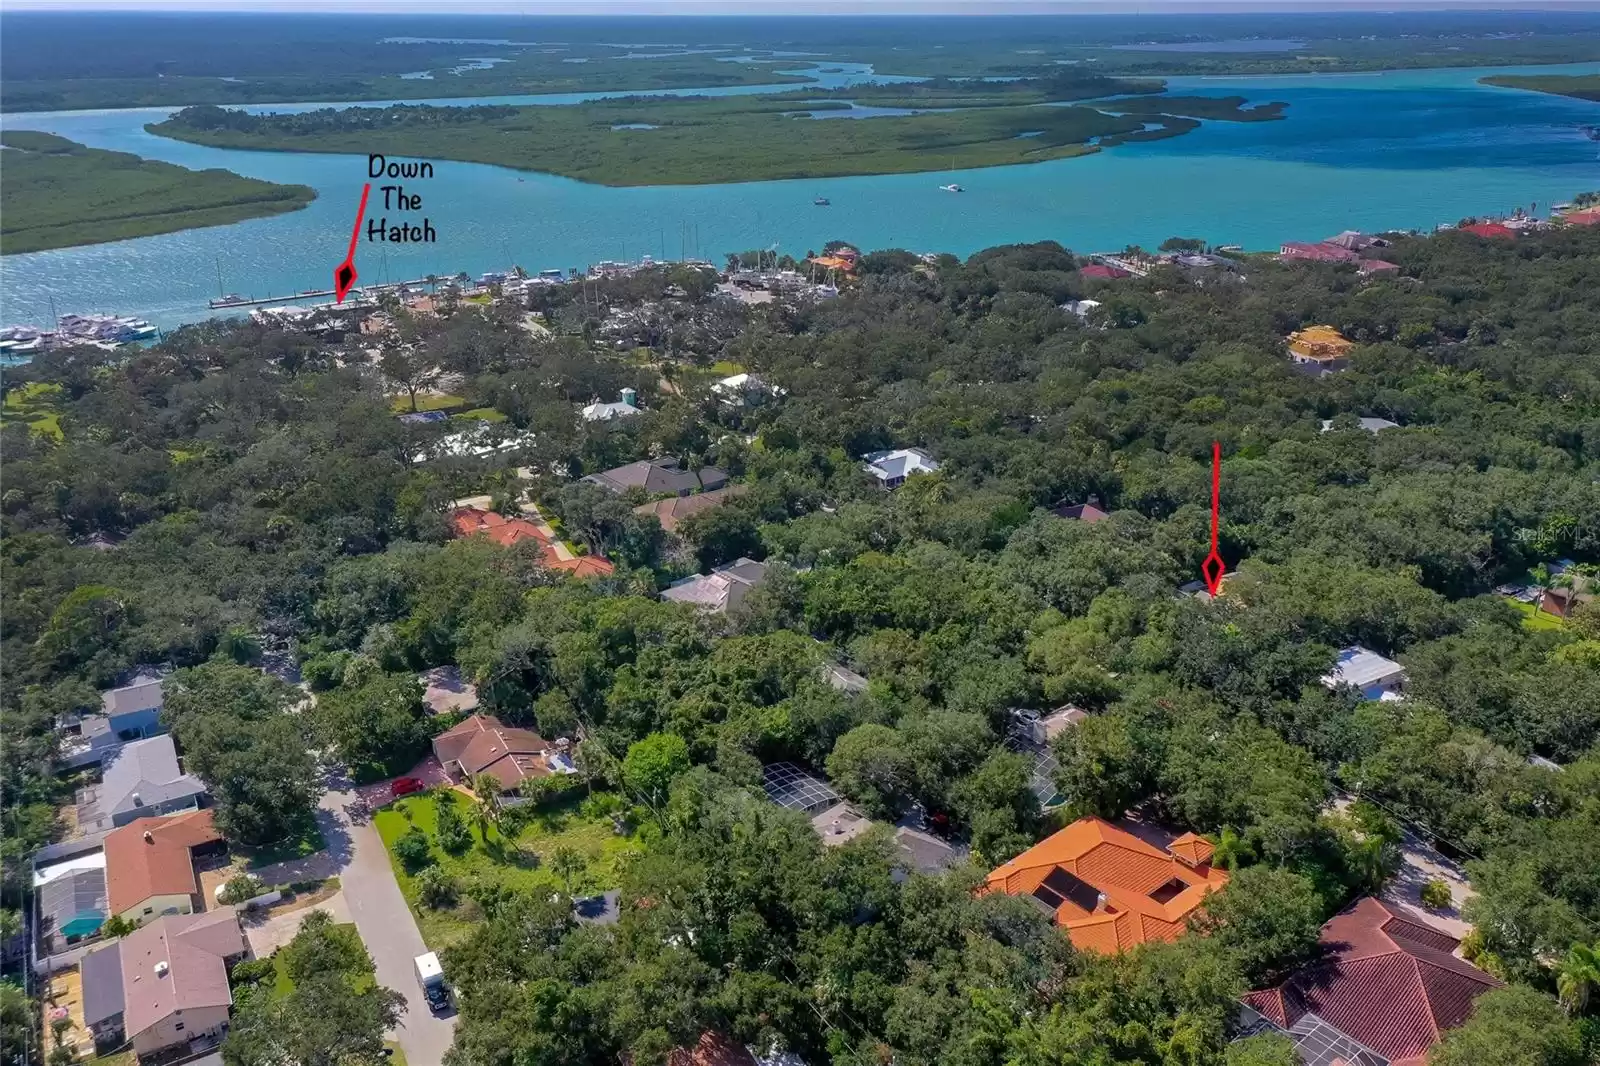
[821, 201]
[952, 187]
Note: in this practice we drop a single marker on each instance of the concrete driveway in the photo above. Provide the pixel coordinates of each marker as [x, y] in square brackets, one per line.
[268, 933]
[383, 919]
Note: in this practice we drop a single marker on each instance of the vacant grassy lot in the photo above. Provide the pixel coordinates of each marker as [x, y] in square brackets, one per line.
[58, 193]
[428, 401]
[35, 405]
[521, 863]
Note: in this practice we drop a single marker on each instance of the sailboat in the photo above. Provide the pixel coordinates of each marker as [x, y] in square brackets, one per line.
[952, 187]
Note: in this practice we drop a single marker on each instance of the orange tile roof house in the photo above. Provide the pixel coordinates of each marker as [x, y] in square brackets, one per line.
[475, 521]
[1385, 982]
[1107, 888]
[150, 865]
[484, 745]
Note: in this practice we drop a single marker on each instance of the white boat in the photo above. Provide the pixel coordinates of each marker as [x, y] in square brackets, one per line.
[952, 187]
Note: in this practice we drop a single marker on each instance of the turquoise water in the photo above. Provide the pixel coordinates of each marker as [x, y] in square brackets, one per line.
[1399, 150]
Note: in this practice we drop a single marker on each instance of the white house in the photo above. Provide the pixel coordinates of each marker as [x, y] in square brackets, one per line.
[892, 468]
[605, 412]
[1374, 676]
[743, 390]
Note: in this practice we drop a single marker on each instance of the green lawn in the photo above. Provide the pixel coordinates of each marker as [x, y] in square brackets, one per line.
[440, 401]
[520, 864]
[480, 414]
[35, 404]
[1535, 619]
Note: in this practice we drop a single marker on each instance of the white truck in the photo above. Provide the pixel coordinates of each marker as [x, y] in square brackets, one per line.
[430, 975]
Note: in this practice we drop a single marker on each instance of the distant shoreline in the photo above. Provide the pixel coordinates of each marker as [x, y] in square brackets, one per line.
[60, 194]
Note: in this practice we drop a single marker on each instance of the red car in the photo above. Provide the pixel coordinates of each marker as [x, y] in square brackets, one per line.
[404, 786]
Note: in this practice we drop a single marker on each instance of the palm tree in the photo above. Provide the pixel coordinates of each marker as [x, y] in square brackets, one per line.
[566, 864]
[1373, 861]
[1577, 976]
[1539, 577]
[1232, 850]
[486, 812]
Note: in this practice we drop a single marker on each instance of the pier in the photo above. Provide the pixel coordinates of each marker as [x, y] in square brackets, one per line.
[314, 294]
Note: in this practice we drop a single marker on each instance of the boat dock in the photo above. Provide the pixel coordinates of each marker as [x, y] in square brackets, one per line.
[314, 294]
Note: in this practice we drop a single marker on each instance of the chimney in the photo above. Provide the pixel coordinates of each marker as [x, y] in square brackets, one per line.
[628, 396]
[137, 801]
[149, 837]
[1094, 499]
[1100, 901]
[162, 968]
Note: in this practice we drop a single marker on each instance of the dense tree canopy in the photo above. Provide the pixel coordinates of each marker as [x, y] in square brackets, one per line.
[257, 482]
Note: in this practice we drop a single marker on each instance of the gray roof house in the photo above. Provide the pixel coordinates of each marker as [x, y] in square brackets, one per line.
[659, 477]
[139, 780]
[721, 590]
[128, 712]
[103, 998]
[891, 468]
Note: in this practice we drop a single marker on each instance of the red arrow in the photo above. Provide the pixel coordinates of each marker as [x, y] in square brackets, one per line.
[344, 275]
[1214, 568]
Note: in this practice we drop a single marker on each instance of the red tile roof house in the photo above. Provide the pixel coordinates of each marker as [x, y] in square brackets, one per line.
[1385, 982]
[1108, 889]
[150, 865]
[1100, 270]
[484, 745]
[1490, 229]
[475, 521]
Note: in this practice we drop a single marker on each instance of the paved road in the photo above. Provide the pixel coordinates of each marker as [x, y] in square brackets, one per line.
[384, 921]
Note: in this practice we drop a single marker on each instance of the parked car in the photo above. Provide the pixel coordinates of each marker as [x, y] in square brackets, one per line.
[404, 786]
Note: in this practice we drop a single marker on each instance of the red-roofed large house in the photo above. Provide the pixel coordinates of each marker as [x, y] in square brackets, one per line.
[1490, 229]
[1385, 982]
[1107, 888]
[484, 745]
[1100, 270]
[475, 521]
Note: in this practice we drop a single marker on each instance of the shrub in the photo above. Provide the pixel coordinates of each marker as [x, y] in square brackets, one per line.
[241, 887]
[1436, 896]
[412, 850]
[541, 790]
[252, 972]
[454, 837]
[436, 889]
